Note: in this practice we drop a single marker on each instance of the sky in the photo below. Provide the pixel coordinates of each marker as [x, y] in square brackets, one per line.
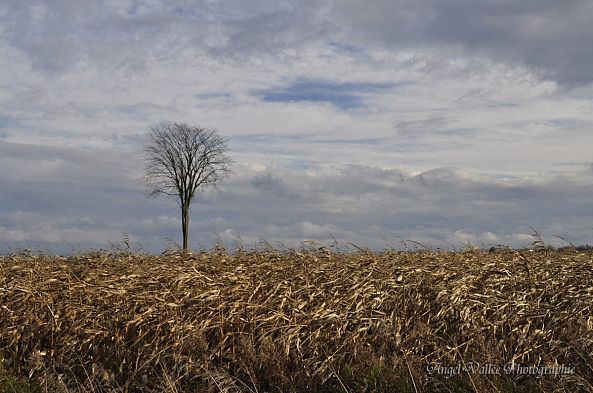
[383, 124]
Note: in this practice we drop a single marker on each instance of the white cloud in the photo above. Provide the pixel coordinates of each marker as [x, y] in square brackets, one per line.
[502, 104]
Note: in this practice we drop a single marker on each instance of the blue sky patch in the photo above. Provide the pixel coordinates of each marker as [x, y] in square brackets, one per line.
[347, 95]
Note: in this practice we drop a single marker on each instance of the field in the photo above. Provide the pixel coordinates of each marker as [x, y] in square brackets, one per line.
[298, 321]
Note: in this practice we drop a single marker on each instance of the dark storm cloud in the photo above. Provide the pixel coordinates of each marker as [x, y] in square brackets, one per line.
[268, 184]
[551, 37]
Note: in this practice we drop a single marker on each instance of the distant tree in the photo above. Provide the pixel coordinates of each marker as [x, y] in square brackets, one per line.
[182, 160]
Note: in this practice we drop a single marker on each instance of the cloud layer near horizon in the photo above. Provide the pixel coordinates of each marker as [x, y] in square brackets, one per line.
[66, 201]
[436, 122]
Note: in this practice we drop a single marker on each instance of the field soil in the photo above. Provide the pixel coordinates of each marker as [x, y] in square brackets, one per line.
[298, 321]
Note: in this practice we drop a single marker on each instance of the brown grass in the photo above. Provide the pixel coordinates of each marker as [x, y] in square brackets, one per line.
[272, 321]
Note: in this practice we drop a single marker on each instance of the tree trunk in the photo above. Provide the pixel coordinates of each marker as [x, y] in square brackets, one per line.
[185, 225]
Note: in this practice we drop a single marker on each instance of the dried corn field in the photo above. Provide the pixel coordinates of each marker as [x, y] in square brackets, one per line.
[288, 321]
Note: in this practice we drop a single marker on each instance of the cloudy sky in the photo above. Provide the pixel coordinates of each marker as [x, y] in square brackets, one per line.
[376, 123]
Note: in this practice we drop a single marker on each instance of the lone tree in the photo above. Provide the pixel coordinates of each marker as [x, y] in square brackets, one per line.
[183, 159]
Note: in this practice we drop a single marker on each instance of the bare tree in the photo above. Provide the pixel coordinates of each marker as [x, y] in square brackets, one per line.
[183, 159]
